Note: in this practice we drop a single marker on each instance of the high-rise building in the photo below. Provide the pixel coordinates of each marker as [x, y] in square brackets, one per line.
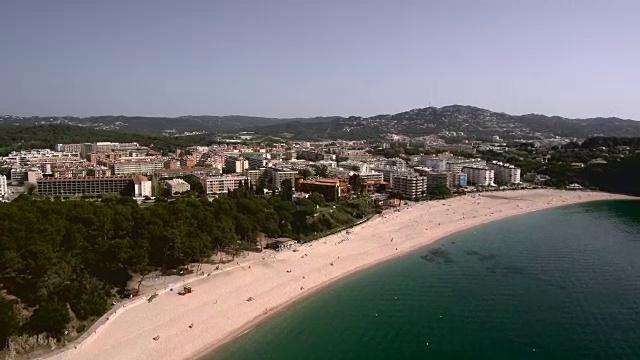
[3, 186]
[479, 175]
[436, 179]
[505, 173]
[236, 165]
[141, 186]
[276, 176]
[410, 186]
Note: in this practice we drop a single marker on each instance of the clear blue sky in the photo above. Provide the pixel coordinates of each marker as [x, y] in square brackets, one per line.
[286, 58]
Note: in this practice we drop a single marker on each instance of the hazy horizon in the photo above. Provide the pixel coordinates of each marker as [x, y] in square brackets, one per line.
[289, 59]
[298, 117]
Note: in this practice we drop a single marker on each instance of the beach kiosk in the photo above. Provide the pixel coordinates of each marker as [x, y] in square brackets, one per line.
[280, 244]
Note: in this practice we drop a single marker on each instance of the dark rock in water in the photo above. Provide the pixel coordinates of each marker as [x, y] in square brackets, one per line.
[436, 254]
[481, 257]
[491, 269]
[485, 258]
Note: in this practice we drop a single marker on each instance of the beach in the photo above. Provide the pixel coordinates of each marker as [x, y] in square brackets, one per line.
[232, 300]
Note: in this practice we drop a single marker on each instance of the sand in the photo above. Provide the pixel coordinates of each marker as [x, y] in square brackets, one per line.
[219, 310]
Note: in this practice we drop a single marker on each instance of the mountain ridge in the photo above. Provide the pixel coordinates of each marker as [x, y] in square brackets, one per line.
[451, 121]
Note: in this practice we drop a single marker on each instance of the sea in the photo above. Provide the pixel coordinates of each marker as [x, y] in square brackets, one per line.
[562, 283]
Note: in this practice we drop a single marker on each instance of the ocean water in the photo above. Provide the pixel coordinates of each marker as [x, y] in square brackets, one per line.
[557, 284]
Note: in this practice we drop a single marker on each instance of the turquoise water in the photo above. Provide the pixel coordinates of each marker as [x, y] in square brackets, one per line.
[558, 284]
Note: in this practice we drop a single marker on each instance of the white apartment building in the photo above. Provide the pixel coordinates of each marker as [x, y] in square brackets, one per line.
[136, 165]
[456, 164]
[24, 157]
[176, 186]
[3, 186]
[479, 175]
[221, 184]
[327, 163]
[505, 173]
[88, 148]
[357, 166]
[434, 163]
[236, 165]
[410, 186]
[141, 186]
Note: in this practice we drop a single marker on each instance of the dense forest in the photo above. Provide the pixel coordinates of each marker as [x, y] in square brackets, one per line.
[14, 137]
[62, 262]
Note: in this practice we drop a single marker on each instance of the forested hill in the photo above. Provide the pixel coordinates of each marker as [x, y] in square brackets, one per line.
[466, 121]
[156, 125]
[46, 136]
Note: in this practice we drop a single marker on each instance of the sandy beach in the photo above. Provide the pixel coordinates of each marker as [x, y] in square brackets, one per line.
[219, 310]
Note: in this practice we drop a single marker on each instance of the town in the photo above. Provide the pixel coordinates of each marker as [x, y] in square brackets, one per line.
[333, 169]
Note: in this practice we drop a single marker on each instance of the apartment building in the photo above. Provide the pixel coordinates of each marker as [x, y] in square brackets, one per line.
[276, 176]
[437, 179]
[95, 157]
[3, 186]
[433, 162]
[236, 164]
[20, 176]
[141, 186]
[327, 163]
[188, 161]
[410, 186]
[255, 176]
[446, 178]
[313, 155]
[479, 175]
[505, 173]
[213, 185]
[456, 164]
[198, 171]
[25, 157]
[86, 185]
[331, 189]
[88, 148]
[72, 148]
[371, 176]
[134, 165]
[386, 172]
[176, 186]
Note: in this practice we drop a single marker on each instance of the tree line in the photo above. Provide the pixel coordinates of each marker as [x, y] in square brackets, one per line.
[63, 261]
[15, 138]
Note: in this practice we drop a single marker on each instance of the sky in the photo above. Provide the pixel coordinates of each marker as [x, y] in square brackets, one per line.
[298, 58]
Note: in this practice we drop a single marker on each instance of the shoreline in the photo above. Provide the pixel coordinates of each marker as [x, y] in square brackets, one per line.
[365, 247]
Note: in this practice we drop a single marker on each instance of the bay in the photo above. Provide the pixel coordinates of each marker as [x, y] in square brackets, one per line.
[562, 283]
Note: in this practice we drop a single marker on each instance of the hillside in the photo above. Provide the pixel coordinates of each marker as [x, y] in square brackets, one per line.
[454, 121]
[46, 136]
[155, 125]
